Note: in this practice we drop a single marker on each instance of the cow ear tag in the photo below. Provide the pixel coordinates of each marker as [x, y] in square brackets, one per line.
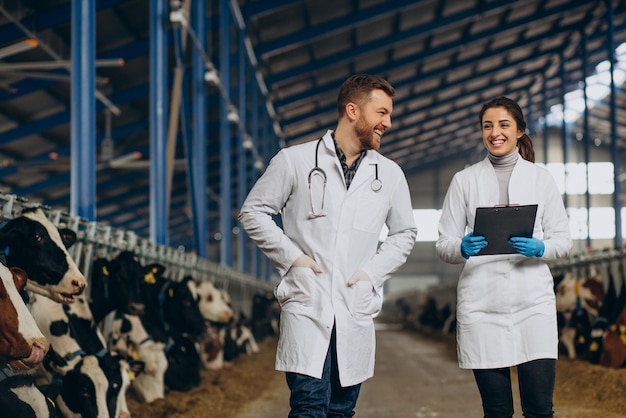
[105, 270]
[149, 278]
[171, 292]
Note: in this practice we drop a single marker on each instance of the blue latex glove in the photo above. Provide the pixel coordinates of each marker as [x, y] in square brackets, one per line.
[471, 245]
[530, 247]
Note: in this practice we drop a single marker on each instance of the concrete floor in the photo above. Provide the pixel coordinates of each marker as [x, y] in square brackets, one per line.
[414, 377]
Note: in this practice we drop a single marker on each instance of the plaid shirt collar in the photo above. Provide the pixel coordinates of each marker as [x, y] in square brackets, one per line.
[348, 172]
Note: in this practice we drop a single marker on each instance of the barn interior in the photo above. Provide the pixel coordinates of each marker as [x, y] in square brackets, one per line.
[103, 106]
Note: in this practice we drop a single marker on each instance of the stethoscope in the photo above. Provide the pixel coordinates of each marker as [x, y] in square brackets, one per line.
[317, 171]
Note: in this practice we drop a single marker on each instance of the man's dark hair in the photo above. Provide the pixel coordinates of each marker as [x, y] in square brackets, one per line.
[357, 88]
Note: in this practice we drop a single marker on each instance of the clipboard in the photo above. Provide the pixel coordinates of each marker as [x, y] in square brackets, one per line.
[498, 223]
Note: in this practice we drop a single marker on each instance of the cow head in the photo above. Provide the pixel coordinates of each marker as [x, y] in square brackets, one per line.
[183, 371]
[180, 308]
[212, 304]
[129, 338]
[22, 345]
[84, 390]
[588, 292]
[34, 244]
[116, 286]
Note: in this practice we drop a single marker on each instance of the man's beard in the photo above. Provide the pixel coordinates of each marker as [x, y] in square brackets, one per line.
[365, 133]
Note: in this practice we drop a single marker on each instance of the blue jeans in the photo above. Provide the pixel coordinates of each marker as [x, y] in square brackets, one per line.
[322, 398]
[536, 385]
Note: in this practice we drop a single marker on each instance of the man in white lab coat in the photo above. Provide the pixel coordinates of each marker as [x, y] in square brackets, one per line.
[334, 194]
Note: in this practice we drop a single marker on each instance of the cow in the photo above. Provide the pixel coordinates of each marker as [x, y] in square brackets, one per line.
[115, 286]
[614, 343]
[218, 314]
[31, 242]
[87, 334]
[22, 347]
[578, 303]
[172, 316]
[265, 315]
[129, 338]
[238, 338]
[86, 389]
[20, 397]
[212, 303]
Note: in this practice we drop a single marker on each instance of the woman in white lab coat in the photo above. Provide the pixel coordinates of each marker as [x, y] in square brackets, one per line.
[328, 254]
[506, 313]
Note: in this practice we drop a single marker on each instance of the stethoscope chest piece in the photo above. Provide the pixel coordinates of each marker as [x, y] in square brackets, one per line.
[376, 185]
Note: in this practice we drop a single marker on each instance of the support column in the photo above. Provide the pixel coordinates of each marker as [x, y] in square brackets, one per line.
[83, 86]
[226, 216]
[159, 211]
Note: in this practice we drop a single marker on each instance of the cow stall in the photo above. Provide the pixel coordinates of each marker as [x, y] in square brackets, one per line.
[99, 240]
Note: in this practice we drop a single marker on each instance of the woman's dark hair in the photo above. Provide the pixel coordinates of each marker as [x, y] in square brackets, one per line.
[357, 89]
[525, 144]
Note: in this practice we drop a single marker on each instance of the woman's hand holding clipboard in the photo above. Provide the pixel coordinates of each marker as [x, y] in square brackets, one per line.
[498, 224]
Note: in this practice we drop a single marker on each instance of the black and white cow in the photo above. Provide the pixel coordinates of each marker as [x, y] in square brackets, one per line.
[115, 286]
[87, 386]
[218, 315]
[172, 317]
[87, 334]
[129, 338]
[32, 242]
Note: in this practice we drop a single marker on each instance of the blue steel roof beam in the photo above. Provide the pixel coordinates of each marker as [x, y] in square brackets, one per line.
[260, 8]
[412, 34]
[351, 21]
[468, 118]
[114, 218]
[60, 118]
[59, 178]
[439, 18]
[127, 213]
[46, 19]
[52, 181]
[27, 86]
[117, 133]
[413, 162]
[395, 139]
[410, 61]
[413, 80]
[56, 56]
[395, 143]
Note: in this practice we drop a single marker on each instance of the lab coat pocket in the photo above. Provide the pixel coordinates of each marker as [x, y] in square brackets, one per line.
[370, 213]
[366, 301]
[296, 289]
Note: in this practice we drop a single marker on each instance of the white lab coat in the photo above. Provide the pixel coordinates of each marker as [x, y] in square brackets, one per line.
[506, 312]
[344, 241]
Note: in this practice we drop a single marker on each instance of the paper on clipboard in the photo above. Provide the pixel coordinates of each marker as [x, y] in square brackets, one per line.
[499, 223]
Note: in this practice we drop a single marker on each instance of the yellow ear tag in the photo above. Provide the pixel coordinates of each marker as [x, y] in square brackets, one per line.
[135, 355]
[593, 346]
[171, 292]
[623, 339]
[131, 374]
[149, 278]
[54, 405]
[105, 270]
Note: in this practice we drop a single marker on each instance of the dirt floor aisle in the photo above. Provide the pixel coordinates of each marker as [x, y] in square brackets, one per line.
[416, 375]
